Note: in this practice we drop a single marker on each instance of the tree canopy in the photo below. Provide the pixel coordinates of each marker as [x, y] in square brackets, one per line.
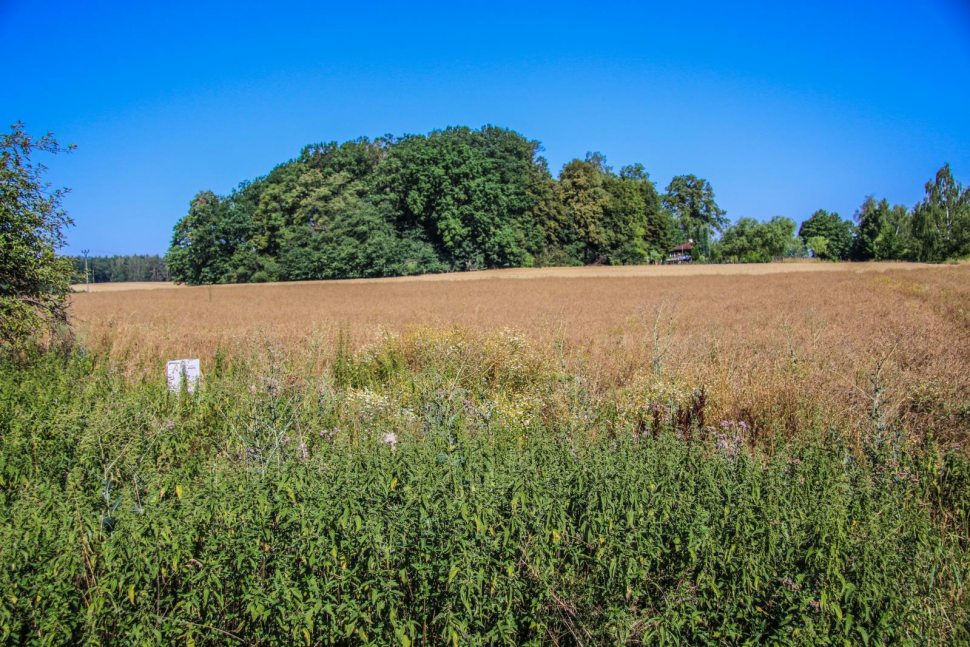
[827, 235]
[34, 280]
[750, 241]
[466, 199]
[941, 222]
[454, 199]
[691, 200]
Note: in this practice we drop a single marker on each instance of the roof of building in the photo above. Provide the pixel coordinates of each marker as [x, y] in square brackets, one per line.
[683, 248]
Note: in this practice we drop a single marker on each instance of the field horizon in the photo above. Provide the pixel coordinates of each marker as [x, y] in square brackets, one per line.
[586, 271]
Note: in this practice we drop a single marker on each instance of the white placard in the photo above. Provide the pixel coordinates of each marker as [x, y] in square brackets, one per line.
[187, 368]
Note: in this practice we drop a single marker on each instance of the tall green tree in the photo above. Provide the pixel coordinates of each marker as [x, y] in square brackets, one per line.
[895, 237]
[883, 232]
[750, 241]
[836, 233]
[357, 158]
[584, 199]
[552, 237]
[652, 223]
[278, 208]
[941, 222]
[205, 242]
[870, 218]
[691, 201]
[614, 218]
[467, 191]
[34, 280]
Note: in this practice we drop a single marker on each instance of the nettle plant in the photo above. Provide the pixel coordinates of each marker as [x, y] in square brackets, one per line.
[437, 490]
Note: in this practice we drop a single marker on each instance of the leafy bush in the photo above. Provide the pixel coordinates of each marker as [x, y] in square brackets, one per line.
[34, 280]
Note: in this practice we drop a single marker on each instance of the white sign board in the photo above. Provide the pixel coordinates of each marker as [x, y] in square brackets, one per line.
[187, 369]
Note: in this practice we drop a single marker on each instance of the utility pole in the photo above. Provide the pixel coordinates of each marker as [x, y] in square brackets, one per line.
[87, 282]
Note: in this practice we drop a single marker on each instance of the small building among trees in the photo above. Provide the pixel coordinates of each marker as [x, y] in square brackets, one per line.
[680, 253]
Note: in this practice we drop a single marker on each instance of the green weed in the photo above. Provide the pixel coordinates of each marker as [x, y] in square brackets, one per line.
[441, 493]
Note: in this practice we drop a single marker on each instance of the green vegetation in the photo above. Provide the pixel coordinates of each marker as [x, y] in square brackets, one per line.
[940, 226]
[464, 199]
[691, 200]
[34, 280]
[750, 241]
[457, 199]
[831, 236]
[936, 229]
[116, 269]
[434, 491]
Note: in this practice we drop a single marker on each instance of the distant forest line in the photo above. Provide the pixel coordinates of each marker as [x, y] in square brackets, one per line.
[115, 269]
[466, 199]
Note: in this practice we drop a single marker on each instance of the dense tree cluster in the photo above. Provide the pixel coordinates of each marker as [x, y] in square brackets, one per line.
[466, 199]
[114, 269]
[455, 199]
[750, 241]
[936, 229]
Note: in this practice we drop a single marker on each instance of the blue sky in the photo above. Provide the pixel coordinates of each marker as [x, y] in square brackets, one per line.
[784, 107]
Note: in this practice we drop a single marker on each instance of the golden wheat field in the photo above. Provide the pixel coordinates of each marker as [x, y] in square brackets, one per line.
[802, 343]
[617, 271]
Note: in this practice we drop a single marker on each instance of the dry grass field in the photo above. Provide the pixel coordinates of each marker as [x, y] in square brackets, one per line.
[791, 342]
[622, 271]
[122, 287]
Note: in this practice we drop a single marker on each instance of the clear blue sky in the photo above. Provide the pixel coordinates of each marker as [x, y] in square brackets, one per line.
[784, 108]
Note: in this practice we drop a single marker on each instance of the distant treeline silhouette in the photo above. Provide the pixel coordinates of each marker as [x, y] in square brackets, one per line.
[466, 199]
[114, 269]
